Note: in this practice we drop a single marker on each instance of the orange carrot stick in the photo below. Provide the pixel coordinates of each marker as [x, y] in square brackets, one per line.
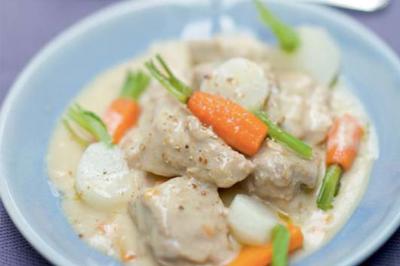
[296, 237]
[238, 127]
[124, 111]
[343, 141]
[262, 255]
[253, 256]
[120, 116]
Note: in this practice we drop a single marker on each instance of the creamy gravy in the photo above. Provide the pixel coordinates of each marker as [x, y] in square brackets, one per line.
[113, 232]
[319, 226]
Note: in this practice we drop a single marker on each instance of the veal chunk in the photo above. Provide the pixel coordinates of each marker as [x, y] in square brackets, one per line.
[301, 107]
[279, 172]
[182, 222]
[173, 142]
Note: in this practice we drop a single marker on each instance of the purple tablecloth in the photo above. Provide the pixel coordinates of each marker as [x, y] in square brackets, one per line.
[26, 25]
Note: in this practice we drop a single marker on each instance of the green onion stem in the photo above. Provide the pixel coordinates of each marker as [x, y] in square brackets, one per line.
[135, 84]
[90, 122]
[288, 38]
[175, 86]
[280, 245]
[330, 187]
[73, 134]
[282, 136]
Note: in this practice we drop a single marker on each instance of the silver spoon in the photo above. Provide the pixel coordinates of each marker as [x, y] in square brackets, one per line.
[361, 5]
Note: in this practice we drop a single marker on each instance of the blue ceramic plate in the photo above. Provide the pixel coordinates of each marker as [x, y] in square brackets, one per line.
[115, 34]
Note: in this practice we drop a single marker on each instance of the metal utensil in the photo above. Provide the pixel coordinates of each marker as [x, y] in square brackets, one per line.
[361, 5]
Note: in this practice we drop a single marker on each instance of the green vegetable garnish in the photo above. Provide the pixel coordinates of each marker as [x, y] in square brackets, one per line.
[280, 245]
[90, 122]
[175, 86]
[330, 187]
[134, 85]
[287, 37]
[285, 138]
[73, 134]
[334, 81]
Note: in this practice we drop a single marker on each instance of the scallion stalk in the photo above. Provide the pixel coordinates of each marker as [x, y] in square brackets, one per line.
[175, 86]
[134, 85]
[329, 188]
[280, 245]
[285, 138]
[90, 122]
[288, 38]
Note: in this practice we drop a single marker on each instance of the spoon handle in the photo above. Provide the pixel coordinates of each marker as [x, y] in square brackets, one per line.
[361, 5]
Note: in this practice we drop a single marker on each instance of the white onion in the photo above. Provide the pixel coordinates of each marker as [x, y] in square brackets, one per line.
[318, 54]
[239, 80]
[250, 221]
[103, 179]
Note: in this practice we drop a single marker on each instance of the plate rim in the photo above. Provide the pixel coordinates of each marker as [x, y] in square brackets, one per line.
[118, 9]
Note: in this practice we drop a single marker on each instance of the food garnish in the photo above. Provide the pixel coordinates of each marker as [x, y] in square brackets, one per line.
[89, 122]
[343, 143]
[124, 111]
[262, 255]
[238, 127]
[287, 37]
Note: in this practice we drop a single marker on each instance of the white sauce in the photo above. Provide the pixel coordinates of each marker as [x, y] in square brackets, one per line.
[113, 232]
[319, 226]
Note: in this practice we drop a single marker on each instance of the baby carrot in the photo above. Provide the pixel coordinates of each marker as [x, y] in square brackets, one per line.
[343, 141]
[124, 111]
[120, 116]
[238, 127]
[262, 255]
[296, 237]
[254, 256]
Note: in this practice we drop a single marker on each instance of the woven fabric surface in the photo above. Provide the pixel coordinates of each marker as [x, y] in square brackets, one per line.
[40, 20]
